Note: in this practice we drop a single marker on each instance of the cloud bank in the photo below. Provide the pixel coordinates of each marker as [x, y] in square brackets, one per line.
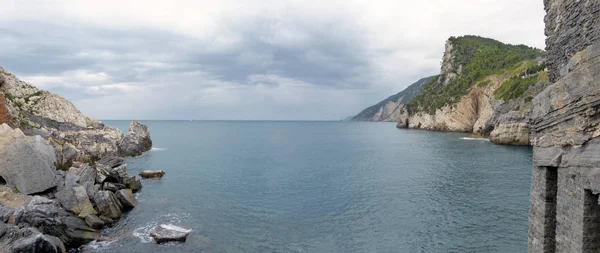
[278, 60]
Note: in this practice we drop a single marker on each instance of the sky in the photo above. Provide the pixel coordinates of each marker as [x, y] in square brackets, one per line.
[243, 60]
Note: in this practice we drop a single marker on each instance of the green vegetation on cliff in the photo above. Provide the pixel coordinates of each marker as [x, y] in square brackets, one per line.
[403, 97]
[471, 58]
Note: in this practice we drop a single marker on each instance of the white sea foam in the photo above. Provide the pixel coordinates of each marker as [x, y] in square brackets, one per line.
[474, 139]
[159, 149]
[143, 233]
[95, 245]
[175, 228]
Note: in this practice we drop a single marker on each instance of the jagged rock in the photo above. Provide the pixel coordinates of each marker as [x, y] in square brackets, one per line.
[26, 162]
[110, 161]
[71, 180]
[94, 222]
[121, 172]
[106, 173]
[106, 220]
[51, 116]
[168, 232]
[152, 174]
[20, 240]
[65, 154]
[76, 200]
[113, 187]
[108, 205]
[50, 219]
[133, 183]
[136, 141]
[126, 197]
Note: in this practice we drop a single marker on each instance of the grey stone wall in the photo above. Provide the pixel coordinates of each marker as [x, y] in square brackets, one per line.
[571, 26]
[565, 213]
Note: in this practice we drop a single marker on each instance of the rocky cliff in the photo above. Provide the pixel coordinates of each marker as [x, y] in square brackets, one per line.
[565, 125]
[391, 108]
[485, 87]
[39, 112]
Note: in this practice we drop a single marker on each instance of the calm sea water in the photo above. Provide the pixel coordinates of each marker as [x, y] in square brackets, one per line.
[326, 187]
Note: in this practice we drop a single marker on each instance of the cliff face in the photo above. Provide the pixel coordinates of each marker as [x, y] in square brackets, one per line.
[495, 103]
[565, 125]
[391, 108]
[39, 112]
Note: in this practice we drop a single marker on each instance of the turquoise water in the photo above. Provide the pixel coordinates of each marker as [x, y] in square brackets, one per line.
[248, 186]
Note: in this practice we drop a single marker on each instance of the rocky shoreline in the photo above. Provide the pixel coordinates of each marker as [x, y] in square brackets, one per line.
[61, 176]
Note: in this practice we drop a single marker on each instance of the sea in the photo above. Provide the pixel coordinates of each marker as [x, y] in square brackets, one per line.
[325, 186]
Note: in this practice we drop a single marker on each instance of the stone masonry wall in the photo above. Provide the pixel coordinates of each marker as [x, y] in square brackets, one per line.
[571, 26]
[564, 129]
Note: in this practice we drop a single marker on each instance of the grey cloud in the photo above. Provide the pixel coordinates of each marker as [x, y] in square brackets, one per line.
[258, 66]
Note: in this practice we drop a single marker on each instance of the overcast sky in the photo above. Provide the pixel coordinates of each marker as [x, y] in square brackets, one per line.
[262, 59]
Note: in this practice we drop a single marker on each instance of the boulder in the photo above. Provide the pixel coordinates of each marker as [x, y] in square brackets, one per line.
[113, 187]
[28, 164]
[15, 240]
[126, 197]
[76, 200]
[133, 183]
[110, 161]
[108, 205]
[152, 174]
[136, 141]
[106, 173]
[50, 219]
[94, 222]
[65, 153]
[168, 232]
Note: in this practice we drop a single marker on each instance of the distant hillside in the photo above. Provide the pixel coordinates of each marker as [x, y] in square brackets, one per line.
[387, 109]
[467, 61]
[484, 87]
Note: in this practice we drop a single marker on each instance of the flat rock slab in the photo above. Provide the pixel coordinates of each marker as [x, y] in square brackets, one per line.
[168, 233]
[152, 174]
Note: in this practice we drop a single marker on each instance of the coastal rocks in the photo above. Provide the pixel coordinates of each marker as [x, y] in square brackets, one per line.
[76, 200]
[168, 232]
[65, 154]
[512, 129]
[511, 134]
[16, 240]
[152, 174]
[27, 163]
[94, 222]
[126, 197]
[133, 183]
[43, 113]
[108, 204]
[136, 141]
[49, 218]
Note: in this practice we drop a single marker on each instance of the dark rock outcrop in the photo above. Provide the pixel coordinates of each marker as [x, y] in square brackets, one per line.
[20, 240]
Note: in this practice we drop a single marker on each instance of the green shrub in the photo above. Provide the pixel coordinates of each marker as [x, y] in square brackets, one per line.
[515, 87]
[479, 57]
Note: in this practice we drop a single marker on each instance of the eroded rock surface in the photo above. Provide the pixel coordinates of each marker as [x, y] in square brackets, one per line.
[39, 112]
[27, 163]
[565, 127]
